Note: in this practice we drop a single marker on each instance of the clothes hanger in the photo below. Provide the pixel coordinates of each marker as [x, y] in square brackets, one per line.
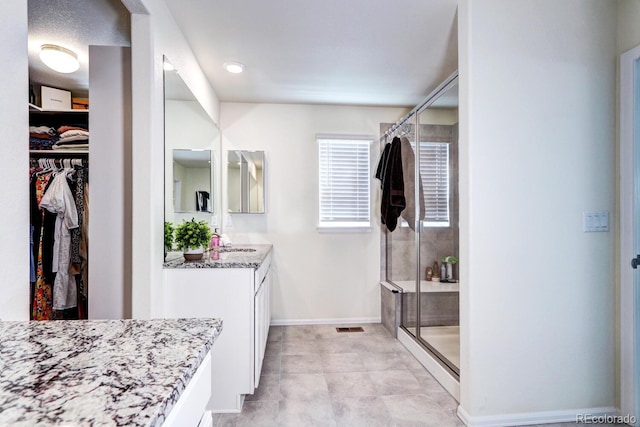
[44, 167]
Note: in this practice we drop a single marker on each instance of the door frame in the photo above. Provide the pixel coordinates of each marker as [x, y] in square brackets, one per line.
[628, 325]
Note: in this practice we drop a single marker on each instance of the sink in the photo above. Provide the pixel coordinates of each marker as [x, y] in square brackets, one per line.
[236, 250]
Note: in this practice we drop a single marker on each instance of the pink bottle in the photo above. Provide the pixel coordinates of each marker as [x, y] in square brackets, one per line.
[215, 245]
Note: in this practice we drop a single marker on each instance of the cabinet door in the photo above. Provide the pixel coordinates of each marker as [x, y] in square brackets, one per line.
[259, 333]
[267, 310]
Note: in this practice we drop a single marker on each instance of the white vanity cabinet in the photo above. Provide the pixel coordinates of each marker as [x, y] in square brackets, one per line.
[241, 297]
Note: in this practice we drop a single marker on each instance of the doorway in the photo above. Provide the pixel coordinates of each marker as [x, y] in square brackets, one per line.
[629, 232]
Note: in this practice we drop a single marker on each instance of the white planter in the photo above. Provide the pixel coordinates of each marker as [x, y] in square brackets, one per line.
[193, 254]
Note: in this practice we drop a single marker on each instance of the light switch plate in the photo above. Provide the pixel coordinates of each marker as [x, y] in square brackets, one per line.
[595, 221]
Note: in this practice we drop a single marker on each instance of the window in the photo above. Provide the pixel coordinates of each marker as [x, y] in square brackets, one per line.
[344, 183]
[434, 170]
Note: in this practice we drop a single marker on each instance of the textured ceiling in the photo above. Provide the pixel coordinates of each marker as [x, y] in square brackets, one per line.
[74, 24]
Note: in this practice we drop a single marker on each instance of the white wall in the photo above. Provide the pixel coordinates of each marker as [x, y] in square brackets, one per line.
[109, 286]
[537, 102]
[316, 276]
[14, 197]
[155, 33]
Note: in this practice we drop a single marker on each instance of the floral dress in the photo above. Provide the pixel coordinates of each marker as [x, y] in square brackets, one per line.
[42, 297]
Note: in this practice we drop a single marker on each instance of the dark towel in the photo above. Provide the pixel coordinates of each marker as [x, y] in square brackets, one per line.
[389, 172]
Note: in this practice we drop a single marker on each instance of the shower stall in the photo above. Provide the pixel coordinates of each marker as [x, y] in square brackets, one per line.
[420, 299]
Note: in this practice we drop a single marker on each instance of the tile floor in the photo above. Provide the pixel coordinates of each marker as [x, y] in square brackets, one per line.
[315, 376]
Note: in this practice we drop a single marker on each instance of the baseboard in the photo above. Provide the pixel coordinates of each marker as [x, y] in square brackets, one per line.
[523, 419]
[342, 321]
[442, 375]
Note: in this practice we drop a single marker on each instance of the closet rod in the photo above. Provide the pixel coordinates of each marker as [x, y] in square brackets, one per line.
[45, 153]
[425, 103]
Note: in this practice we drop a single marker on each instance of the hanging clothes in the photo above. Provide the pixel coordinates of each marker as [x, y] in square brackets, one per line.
[76, 233]
[408, 173]
[42, 304]
[389, 172]
[32, 263]
[60, 200]
[84, 243]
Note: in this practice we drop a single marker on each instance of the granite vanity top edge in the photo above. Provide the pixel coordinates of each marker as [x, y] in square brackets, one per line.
[99, 372]
[228, 258]
[181, 383]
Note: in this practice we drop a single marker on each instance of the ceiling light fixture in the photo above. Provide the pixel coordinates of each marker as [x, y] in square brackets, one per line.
[234, 67]
[59, 59]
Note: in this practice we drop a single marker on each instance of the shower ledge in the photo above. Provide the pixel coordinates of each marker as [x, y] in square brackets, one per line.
[426, 286]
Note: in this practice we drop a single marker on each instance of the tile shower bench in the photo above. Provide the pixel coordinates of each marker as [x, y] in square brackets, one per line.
[439, 303]
[106, 372]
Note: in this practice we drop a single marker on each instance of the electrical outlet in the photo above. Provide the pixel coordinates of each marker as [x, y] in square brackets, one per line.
[228, 221]
[214, 220]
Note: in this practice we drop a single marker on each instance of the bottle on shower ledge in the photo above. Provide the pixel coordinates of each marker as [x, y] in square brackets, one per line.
[429, 274]
[436, 272]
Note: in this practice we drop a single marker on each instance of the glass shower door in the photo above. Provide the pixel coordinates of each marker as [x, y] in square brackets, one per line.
[401, 253]
[438, 241]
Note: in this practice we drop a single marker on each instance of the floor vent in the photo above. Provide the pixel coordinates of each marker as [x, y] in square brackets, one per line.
[351, 329]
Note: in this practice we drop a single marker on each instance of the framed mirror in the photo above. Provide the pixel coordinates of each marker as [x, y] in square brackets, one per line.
[192, 153]
[246, 181]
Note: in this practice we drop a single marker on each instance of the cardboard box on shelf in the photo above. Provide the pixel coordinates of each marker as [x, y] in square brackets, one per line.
[79, 103]
[55, 99]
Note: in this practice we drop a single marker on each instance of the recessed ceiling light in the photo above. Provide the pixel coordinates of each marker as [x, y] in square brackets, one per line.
[234, 67]
[59, 58]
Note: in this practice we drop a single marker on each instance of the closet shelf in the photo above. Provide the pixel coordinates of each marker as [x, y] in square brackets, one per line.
[58, 152]
[33, 107]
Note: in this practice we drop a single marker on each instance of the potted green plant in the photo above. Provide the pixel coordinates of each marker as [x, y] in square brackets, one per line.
[448, 262]
[168, 237]
[192, 237]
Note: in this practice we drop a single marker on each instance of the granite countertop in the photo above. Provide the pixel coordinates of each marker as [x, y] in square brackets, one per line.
[238, 256]
[98, 373]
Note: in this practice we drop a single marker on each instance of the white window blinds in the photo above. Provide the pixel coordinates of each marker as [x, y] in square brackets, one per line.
[344, 182]
[434, 170]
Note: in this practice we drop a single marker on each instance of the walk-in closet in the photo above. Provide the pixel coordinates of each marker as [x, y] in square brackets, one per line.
[59, 200]
[79, 115]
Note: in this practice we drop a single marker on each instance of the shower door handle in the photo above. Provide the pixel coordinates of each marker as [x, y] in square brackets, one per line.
[635, 262]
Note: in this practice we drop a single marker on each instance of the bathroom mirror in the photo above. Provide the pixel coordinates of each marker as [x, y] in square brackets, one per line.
[192, 152]
[245, 181]
[192, 181]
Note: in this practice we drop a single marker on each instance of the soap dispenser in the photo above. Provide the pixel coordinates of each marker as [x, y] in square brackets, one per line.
[215, 245]
[215, 239]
